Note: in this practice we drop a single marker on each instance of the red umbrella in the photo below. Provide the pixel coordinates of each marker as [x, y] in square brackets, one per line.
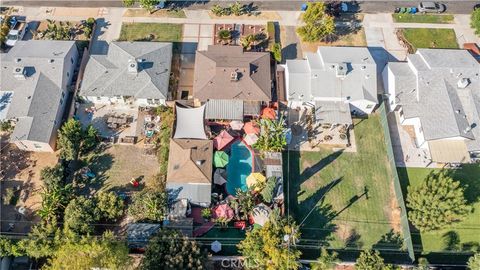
[269, 113]
[251, 128]
[223, 210]
[223, 139]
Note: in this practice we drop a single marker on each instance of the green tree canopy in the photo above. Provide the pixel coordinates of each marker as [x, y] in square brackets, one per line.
[169, 249]
[9, 247]
[91, 253]
[474, 261]
[272, 137]
[475, 21]
[42, 240]
[52, 176]
[80, 215]
[369, 260]
[439, 201]
[266, 248]
[148, 205]
[326, 261]
[318, 24]
[69, 139]
[109, 205]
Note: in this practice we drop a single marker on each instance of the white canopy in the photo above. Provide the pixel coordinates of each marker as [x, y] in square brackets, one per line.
[190, 123]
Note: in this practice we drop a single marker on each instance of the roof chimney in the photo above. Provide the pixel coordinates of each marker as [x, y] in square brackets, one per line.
[19, 73]
[463, 83]
[133, 66]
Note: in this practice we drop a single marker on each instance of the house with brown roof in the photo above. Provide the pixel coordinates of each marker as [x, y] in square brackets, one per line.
[228, 76]
[189, 173]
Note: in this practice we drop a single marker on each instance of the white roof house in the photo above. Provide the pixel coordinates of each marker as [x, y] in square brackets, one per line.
[33, 90]
[336, 80]
[139, 71]
[438, 92]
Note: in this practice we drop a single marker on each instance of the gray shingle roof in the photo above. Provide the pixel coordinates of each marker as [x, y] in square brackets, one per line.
[36, 99]
[426, 87]
[108, 75]
[316, 76]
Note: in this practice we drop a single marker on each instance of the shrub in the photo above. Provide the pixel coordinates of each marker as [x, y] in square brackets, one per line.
[475, 21]
[276, 50]
[318, 24]
[224, 34]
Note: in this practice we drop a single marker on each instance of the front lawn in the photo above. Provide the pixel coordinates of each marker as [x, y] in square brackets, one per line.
[461, 235]
[422, 18]
[345, 199]
[430, 38]
[168, 32]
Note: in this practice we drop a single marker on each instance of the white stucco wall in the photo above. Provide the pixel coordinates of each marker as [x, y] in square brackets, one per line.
[33, 146]
[419, 136]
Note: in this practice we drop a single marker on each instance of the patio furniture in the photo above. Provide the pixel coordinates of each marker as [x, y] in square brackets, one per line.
[220, 159]
[222, 140]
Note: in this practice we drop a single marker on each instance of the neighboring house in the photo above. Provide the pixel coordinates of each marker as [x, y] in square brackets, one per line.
[437, 92]
[35, 82]
[336, 81]
[190, 170]
[233, 83]
[134, 73]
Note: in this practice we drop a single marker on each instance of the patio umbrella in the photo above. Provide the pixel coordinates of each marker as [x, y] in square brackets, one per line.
[216, 246]
[220, 159]
[222, 140]
[236, 125]
[269, 113]
[220, 176]
[254, 178]
[261, 214]
[224, 211]
[250, 139]
[250, 128]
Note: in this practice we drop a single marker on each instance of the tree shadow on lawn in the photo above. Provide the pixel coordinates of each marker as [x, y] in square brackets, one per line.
[469, 177]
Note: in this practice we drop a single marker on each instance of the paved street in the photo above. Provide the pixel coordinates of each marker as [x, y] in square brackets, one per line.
[457, 7]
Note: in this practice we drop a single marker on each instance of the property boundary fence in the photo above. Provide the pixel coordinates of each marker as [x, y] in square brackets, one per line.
[396, 182]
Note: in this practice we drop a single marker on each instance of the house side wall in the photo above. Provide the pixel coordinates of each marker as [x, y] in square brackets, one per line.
[33, 146]
[362, 106]
[143, 102]
[419, 137]
[389, 86]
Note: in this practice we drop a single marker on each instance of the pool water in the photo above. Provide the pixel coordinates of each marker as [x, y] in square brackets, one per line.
[239, 167]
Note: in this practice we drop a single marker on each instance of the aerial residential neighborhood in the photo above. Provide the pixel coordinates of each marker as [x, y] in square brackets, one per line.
[142, 134]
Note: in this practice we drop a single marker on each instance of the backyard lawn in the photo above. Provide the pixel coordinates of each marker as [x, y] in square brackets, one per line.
[422, 18]
[462, 234]
[430, 38]
[160, 32]
[350, 195]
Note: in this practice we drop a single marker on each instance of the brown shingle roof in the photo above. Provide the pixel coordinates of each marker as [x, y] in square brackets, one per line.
[190, 161]
[214, 68]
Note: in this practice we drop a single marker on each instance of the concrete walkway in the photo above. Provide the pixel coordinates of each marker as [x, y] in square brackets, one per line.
[380, 31]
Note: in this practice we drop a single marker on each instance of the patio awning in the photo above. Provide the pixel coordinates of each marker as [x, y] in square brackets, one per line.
[226, 109]
[190, 123]
[332, 112]
[449, 151]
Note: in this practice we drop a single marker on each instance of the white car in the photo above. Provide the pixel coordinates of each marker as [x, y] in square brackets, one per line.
[431, 7]
[16, 32]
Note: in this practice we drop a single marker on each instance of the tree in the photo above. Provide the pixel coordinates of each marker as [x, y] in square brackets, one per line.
[243, 204]
[475, 21]
[326, 261]
[272, 136]
[9, 248]
[237, 9]
[272, 247]
[247, 41]
[80, 215]
[224, 35]
[169, 249]
[42, 241]
[422, 264]
[89, 139]
[52, 176]
[4, 29]
[91, 253]
[54, 200]
[474, 261]
[318, 24]
[70, 139]
[369, 260]
[217, 10]
[439, 201]
[276, 50]
[148, 205]
[109, 205]
[148, 5]
[267, 191]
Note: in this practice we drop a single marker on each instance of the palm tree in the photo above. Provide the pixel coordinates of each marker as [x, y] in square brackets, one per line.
[224, 35]
[217, 10]
[247, 41]
[236, 9]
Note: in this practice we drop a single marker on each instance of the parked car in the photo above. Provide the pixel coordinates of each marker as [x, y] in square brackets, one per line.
[431, 7]
[473, 49]
[17, 31]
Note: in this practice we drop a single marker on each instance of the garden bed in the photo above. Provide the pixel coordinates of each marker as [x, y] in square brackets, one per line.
[422, 18]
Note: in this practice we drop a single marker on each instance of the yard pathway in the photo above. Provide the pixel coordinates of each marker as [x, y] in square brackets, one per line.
[380, 31]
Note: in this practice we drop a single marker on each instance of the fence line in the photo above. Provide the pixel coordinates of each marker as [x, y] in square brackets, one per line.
[396, 182]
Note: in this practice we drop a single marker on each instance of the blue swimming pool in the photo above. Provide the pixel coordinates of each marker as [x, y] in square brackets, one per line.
[239, 167]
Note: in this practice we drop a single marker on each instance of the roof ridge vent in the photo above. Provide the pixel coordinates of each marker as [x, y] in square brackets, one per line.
[463, 83]
[133, 65]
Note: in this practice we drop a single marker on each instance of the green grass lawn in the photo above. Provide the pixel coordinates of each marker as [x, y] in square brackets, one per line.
[161, 32]
[467, 231]
[431, 38]
[422, 18]
[333, 184]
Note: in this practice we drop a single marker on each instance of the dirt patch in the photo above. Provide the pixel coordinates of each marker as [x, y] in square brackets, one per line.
[344, 231]
[133, 12]
[352, 39]
[264, 15]
[394, 211]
